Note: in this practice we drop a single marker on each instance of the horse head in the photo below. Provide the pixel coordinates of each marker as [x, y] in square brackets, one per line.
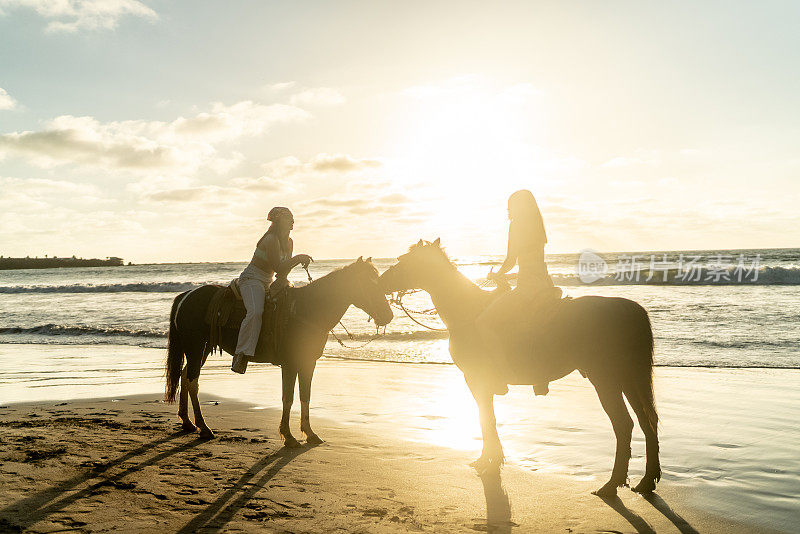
[366, 293]
[414, 269]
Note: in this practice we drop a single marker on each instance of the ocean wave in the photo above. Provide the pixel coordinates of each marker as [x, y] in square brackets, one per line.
[51, 329]
[703, 276]
[668, 364]
[140, 287]
[417, 335]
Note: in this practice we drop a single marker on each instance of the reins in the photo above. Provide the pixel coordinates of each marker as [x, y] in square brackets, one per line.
[349, 335]
[398, 302]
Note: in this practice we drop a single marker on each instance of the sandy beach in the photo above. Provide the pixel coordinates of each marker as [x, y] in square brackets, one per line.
[120, 465]
[398, 442]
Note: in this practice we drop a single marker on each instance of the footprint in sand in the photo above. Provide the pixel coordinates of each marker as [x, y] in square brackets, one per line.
[374, 512]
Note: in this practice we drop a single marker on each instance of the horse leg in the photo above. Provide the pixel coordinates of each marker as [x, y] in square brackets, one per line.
[492, 451]
[194, 389]
[611, 398]
[652, 472]
[306, 374]
[183, 404]
[289, 375]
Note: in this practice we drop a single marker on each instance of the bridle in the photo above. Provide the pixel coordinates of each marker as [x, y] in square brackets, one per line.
[397, 302]
[377, 335]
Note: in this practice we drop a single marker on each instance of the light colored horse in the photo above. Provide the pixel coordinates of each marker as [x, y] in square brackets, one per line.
[608, 339]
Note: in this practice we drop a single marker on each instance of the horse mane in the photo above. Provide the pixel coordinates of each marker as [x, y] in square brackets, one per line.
[325, 279]
[430, 244]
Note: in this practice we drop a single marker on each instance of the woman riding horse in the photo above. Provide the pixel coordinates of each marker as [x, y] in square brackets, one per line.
[273, 256]
[511, 311]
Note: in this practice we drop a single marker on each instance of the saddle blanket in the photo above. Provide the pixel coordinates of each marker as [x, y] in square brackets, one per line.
[226, 310]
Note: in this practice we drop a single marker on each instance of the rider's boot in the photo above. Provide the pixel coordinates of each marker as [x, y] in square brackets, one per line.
[239, 363]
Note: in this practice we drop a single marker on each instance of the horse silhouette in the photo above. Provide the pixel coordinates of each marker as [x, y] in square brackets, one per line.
[318, 306]
[609, 340]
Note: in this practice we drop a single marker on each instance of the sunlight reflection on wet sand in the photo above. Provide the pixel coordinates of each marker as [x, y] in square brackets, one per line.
[728, 434]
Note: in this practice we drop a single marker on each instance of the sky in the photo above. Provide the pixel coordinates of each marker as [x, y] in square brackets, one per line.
[164, 131]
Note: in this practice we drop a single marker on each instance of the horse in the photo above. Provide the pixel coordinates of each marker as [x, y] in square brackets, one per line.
[318, 307]
[609, 340]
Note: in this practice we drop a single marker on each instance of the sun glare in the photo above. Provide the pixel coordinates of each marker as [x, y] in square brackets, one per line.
[468, 135]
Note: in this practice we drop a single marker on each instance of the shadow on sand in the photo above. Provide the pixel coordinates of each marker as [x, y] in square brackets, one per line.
[222, 510]
[641, 526]
[680, 523]
[636, 521]
[498, 507]
[41, 504]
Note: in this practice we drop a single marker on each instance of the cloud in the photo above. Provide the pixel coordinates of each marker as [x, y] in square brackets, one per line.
[321, 163]
[185, 194]
[340, 163]
[279, 87]
[318, 96]
[340, 202]
[6, 102]
[372, 203]
[183, 144]
[264, 183]
[395, 198]
[241, 190]
[73, 15]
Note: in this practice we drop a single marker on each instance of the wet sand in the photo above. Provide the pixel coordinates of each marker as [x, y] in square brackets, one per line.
[120, 465]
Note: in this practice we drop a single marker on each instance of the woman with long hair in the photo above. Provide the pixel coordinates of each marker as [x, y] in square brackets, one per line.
[272, 258]
[511, 312]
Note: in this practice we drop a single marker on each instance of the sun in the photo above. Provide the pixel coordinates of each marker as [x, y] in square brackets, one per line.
[469, 141]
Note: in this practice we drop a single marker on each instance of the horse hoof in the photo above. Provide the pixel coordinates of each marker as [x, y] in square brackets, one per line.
[479, 463]
[314, 439]
[608, 490]
[292, 443]
[485, 466]
[206, 433]
[188, 428]
[647, 485]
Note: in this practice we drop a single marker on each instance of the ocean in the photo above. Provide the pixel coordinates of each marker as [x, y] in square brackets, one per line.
[729, 308]
[726, 325]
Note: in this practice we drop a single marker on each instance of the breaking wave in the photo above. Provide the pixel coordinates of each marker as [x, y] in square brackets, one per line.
[143, 287]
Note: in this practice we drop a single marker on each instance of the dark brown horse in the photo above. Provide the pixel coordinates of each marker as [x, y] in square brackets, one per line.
[608, 339]
[318, 307]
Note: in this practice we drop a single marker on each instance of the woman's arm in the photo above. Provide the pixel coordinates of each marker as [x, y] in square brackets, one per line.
[282, 268]
[511, 253]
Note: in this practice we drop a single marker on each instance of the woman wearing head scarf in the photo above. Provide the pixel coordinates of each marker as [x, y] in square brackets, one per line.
[509, 315]
[272, 258]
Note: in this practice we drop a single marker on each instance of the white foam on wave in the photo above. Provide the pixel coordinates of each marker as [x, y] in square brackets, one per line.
[142, 287]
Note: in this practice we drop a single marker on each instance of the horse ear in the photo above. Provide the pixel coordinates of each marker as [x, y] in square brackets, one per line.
[360, 259]
[420, 243]
[437, 241]
[369, 260]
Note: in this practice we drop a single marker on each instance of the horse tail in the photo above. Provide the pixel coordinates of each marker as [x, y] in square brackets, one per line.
[642, 379]
[174, 363]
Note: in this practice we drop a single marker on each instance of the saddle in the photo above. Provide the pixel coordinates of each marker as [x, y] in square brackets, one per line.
[535, 355]
[226, 310]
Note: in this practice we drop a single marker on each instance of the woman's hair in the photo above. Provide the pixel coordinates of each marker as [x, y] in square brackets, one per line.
[527, 217]
[274, 214]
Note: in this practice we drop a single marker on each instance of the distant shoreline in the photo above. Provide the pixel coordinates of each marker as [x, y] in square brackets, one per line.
[50, 263]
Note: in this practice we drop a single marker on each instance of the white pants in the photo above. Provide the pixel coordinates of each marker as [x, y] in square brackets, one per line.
[254, 291]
